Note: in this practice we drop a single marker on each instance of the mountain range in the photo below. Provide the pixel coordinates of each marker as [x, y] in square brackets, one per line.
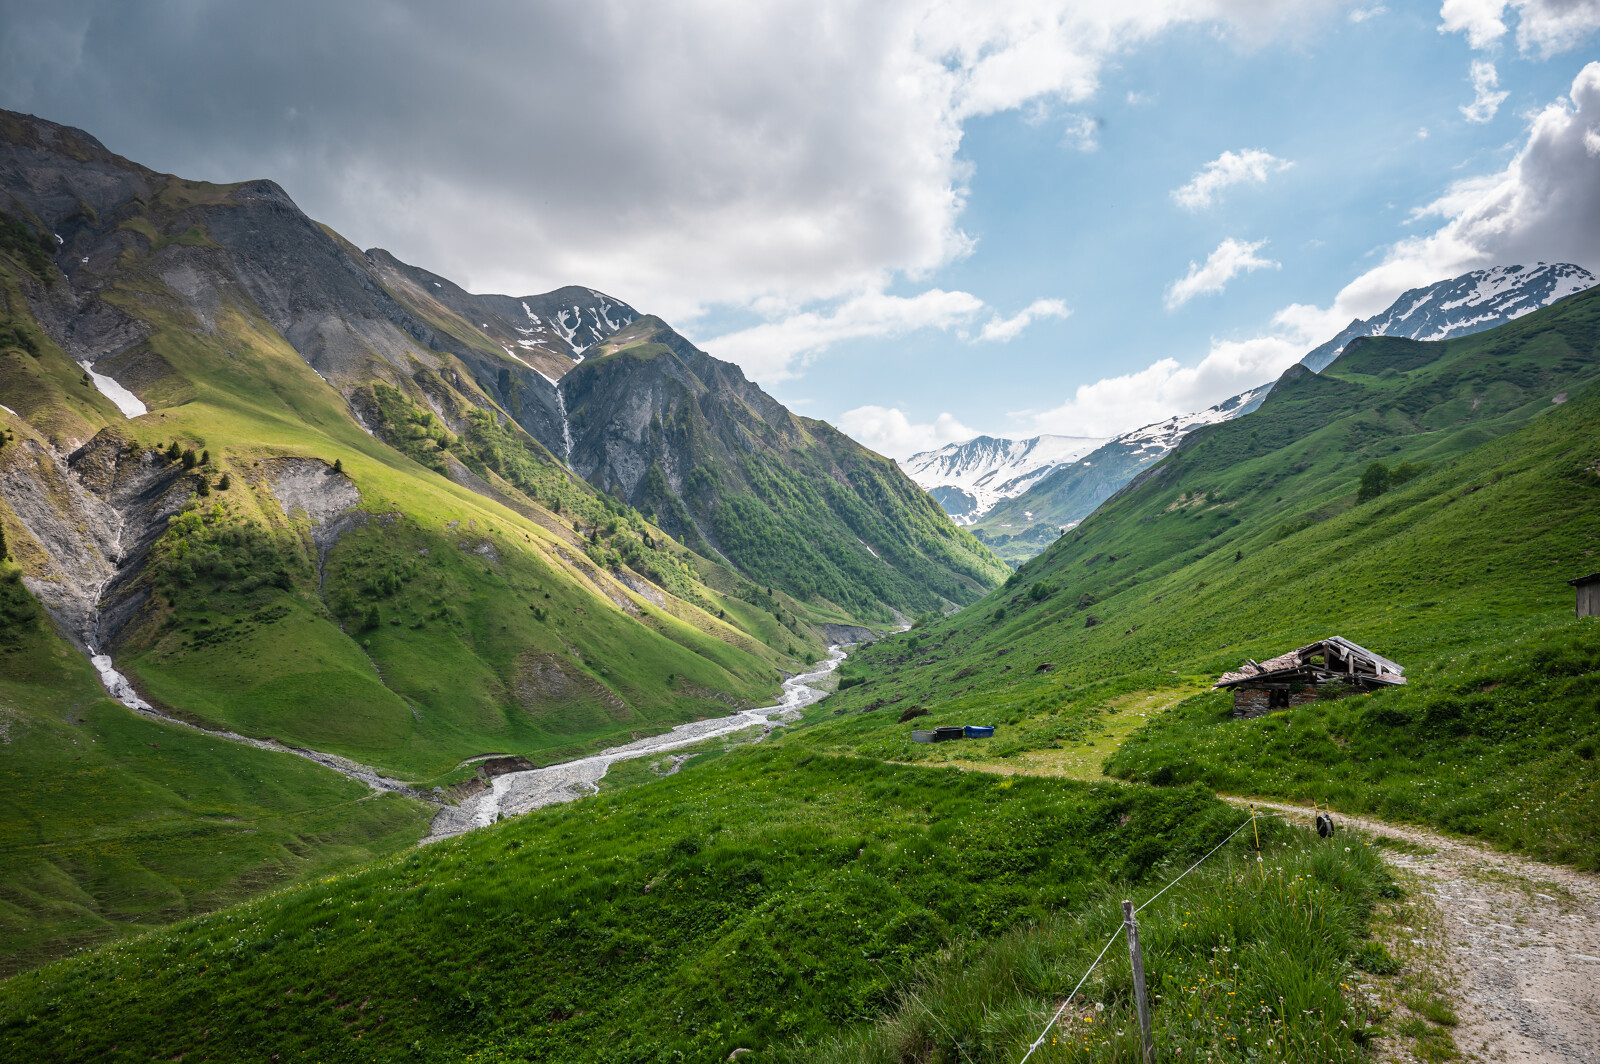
[1019, 517]
[967, 479]
[320, 504]
[1462, 305]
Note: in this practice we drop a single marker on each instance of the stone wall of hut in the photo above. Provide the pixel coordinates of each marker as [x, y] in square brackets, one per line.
[1257, 701]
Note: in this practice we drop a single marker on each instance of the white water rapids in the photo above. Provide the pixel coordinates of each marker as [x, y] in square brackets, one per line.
[521, 792]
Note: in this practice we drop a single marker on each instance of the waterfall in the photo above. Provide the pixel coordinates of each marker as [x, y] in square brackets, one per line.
[566, 426]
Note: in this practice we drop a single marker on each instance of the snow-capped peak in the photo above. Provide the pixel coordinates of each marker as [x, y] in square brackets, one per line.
[1470, 303]
[984, 470]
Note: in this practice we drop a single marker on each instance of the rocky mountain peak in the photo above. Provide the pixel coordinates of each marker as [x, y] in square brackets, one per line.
[1461, 305]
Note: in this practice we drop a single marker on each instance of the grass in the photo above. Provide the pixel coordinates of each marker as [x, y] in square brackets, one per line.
[112, 824]
[1249, 541]
[747, 901]
[1239, 966]
[1496, 744]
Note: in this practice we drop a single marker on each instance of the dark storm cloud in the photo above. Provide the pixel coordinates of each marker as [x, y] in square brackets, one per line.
[526, 143]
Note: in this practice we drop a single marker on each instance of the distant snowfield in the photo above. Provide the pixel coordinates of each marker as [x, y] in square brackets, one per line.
[126, 401]
[988, 469]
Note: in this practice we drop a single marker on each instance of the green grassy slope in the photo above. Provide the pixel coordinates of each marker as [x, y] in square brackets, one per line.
[1250, 540]
[750, 902]
[272, 646]
[110, 823]
[486, 600]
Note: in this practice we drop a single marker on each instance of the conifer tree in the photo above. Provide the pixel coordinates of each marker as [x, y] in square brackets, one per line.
[190, 459]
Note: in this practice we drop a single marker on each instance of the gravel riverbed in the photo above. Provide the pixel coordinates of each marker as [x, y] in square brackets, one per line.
[520, 792]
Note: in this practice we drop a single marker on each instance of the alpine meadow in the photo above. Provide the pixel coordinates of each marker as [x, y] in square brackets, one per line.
[667, 671]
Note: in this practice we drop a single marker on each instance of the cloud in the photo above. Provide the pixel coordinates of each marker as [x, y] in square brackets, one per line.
[1166, 387]
[1081, 132]
[1478, 19]
[1549, 27]
[888, 431]
[1544, 205]
[1362, 14]
[768, 351]
[681, 156]
[1544, 27]
[1486, 101]
[1005, 330]
[1251, 166]
[1224, 264]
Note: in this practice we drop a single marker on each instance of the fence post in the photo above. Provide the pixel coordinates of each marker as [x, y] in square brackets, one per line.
[1130, 923]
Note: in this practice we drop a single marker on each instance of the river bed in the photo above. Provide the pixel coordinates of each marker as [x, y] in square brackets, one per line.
[521, 792]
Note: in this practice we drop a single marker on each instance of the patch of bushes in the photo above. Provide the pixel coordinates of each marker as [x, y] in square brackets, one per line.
[29, 247]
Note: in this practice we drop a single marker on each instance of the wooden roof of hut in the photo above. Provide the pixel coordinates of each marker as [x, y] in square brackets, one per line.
[1325, 661]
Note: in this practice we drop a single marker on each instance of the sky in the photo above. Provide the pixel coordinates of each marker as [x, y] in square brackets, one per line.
[920, 220]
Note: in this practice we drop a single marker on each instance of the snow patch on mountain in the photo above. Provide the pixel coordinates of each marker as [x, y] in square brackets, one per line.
[1470, 303]
[969, 478]
[1155, 441]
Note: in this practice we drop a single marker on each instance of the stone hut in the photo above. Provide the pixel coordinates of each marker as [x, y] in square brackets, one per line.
[1292, 679]
[1588, 594]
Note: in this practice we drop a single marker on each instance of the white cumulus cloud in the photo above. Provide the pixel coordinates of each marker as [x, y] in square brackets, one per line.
[1479, 19]
[1251, 166]
[1544, 27]
[769, 351]
[1166, 387]
[1231, 258]
[1007, 329]
[888, 431]
[1485, 101]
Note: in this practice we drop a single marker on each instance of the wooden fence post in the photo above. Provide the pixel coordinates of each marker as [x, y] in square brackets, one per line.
[1141, 1000]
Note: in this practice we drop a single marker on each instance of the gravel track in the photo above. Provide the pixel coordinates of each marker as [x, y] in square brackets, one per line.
[1522, 940]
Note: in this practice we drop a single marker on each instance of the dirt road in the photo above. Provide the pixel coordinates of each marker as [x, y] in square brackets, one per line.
[1521, 940]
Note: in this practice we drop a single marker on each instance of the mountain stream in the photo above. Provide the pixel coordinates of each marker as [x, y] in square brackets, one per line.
[522, 792]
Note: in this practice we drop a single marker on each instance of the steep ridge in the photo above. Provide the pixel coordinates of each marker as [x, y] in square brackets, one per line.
[1020, 527]
[790, 501]
[969, 478]
[245, 328]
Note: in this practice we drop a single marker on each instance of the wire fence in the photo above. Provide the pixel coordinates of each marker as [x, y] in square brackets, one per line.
[1037, 1042]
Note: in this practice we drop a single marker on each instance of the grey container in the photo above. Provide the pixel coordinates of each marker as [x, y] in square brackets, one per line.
[922, 736]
